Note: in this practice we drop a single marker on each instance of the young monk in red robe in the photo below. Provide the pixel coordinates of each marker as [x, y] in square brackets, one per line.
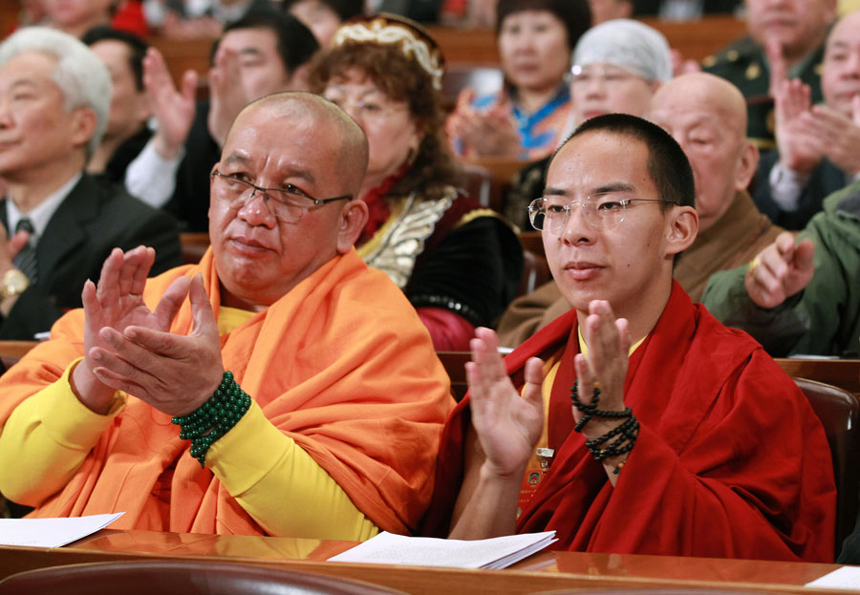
[329, 422]
[696, 443]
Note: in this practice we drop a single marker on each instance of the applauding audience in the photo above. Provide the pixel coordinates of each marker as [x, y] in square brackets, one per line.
[786, 40]
[818, 146]
[60, 223]
[526, 118]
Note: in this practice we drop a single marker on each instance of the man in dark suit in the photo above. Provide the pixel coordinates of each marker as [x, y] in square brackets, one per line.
[816, 144]
[785, 39]
[59, 224]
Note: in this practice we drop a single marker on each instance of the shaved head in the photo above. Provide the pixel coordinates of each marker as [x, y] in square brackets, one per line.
[709, 92]
[350, 164]
[707, 115]
[308, 149]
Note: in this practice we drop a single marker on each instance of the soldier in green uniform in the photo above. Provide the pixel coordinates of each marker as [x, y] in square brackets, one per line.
[786, 39]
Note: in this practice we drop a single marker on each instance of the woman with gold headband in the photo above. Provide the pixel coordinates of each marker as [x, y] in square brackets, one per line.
[458, 264]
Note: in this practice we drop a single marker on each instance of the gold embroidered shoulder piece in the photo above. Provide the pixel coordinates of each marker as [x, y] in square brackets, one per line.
[400, 241]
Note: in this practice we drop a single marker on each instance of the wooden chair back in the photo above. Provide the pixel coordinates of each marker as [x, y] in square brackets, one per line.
[194, 246]
[839, 413]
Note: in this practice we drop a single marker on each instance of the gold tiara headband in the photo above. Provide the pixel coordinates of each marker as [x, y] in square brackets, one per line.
[390, 32]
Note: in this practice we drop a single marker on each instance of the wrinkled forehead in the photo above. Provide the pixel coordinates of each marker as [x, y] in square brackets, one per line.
[845, 34]
[283, 139]
[696, 107]
[33, 68]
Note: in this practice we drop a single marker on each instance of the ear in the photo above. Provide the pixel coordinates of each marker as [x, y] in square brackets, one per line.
[84, 123]
[747, 165]
[682, 226]
[353, 218]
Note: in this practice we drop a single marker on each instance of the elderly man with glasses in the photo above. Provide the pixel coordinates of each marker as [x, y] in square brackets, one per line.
[279, 387]
[682, 438]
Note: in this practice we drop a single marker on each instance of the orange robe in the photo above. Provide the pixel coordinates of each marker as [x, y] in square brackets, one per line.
[342, 365]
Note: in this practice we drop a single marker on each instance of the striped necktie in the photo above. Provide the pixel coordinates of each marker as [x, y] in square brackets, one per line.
[25, 261]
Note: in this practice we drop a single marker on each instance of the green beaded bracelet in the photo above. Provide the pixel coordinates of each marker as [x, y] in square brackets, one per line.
[214, 418]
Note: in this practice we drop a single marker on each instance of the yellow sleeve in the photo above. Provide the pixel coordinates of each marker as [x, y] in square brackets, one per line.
[281, 486]
[46, 439]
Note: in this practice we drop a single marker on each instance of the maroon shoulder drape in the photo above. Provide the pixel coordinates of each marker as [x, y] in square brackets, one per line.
[731, 461]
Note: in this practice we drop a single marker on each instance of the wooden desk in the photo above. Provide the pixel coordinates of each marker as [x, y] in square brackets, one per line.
[694, 39]
[543, 572]
[844, 373]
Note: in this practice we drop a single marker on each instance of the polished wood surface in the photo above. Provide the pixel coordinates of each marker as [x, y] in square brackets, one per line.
[185, 54]
[543, 572]
[12, 351]
[844, 373]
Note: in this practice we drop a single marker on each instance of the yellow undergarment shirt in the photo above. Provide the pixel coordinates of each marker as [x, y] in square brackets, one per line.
[272, 478]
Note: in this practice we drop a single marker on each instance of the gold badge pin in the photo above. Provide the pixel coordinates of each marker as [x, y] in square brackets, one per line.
[753, 71]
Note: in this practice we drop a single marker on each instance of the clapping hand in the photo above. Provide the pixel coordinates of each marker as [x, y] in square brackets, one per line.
[508, 425]
[129, 347]
[606, 364]
[172, 108]
[801, 147]
[839, 135]
[226, 93]
[484, 133]
[9, 248]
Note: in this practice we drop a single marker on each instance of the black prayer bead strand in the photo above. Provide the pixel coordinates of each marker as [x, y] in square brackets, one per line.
[627, 432]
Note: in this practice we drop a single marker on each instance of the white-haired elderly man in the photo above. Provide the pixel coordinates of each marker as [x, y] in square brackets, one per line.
[59, 224]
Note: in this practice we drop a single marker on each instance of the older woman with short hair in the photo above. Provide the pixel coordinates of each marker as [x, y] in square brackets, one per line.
[523, 120]
[458, 264]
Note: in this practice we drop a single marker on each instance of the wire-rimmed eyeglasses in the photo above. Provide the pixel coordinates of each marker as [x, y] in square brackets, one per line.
[288, 204]
[606, 211]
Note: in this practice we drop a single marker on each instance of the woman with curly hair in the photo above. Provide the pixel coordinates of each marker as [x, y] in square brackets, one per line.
[458, 264]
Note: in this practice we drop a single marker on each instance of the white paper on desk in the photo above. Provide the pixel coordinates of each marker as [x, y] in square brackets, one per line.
[52, 532]
[499, 552]
[847, 577]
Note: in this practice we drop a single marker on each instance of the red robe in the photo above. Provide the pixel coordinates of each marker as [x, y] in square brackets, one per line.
[731, 461]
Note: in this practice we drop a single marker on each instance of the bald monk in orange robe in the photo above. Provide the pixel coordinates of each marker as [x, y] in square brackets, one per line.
[347, 397]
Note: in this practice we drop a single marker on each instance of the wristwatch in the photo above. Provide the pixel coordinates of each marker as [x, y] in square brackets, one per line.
[14, 283]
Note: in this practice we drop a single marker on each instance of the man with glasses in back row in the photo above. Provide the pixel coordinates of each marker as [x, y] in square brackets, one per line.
[684, 437]
[279, 387]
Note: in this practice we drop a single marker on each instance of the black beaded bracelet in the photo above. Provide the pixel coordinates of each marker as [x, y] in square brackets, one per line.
[214, 418]
[627, 432]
